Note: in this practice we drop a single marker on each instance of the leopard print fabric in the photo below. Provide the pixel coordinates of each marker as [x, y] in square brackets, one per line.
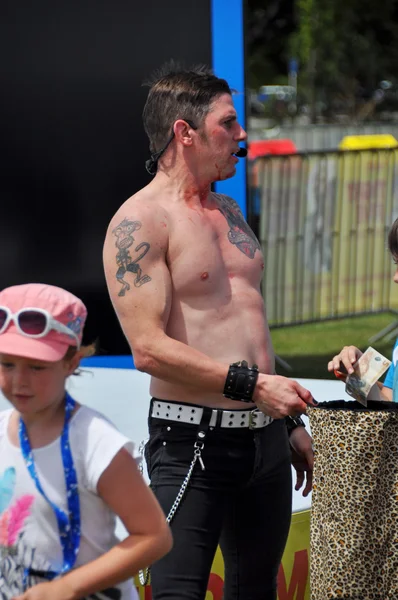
[354, 515]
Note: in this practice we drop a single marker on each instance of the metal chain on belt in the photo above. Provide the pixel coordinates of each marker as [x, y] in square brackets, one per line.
[197, 455]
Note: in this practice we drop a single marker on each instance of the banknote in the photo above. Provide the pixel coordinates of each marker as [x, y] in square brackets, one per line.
[367, 370]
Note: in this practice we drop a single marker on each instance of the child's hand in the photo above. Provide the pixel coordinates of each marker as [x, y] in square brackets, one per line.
[342, 363]
[50, 590]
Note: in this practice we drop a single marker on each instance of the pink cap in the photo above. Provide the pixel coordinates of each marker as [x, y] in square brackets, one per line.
[62, 306]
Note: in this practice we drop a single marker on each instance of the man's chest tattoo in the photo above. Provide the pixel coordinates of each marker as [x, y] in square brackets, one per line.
[239, 234]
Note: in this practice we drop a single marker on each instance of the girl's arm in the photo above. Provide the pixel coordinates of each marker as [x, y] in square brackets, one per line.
[124, 490]
[385, 392]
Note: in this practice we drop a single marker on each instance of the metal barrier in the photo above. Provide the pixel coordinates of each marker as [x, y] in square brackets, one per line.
[322, 220]
[309, 138]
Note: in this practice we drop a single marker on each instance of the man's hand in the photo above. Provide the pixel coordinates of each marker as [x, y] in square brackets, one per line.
[50, 590]
[345, 359]
[280, 397]
[302, 458]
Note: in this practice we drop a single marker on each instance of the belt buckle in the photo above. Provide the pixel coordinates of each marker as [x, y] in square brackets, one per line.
[253, 414]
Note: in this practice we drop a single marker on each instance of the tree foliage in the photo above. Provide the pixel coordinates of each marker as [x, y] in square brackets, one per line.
[345, 48]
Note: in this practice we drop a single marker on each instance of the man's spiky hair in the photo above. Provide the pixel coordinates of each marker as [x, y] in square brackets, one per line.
[172, 68]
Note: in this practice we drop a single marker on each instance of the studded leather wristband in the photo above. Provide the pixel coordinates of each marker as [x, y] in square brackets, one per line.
[292, 423]
[241, 381]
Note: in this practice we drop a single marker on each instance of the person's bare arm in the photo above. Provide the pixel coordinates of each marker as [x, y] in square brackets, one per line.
[142, 301]
[124, 490]
[385, 392]
[143, 310]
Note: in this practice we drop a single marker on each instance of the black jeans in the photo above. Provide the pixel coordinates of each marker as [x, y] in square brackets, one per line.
[242, 501]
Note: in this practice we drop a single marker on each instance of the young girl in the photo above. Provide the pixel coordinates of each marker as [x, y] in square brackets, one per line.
[65, 470]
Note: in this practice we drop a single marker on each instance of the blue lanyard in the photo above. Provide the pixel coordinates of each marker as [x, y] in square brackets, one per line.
[68, 524]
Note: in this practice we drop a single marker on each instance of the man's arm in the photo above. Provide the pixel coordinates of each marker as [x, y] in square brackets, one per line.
[139, 285]
[143, 309]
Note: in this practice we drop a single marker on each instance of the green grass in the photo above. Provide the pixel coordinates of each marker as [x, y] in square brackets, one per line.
[308, 348]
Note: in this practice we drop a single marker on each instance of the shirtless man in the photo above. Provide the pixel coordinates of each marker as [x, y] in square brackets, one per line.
[183, 271]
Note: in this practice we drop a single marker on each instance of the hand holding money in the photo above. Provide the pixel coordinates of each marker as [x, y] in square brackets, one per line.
[367, 371]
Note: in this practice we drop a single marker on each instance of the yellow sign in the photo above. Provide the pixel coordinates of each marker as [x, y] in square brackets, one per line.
[293, 576]
[366, 142]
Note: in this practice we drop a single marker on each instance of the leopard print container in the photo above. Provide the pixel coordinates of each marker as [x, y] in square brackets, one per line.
[354, 515]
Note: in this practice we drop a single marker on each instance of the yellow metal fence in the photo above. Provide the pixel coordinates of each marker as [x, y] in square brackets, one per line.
[322, 220]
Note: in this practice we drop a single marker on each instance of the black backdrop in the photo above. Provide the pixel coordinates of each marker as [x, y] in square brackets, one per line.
[71, 138]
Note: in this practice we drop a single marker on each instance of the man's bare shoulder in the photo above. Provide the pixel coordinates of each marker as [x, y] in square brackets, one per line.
[137, 232]
[142, 206]
[136, 239]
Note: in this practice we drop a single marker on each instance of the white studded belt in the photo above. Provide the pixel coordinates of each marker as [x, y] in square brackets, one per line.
[192, 414]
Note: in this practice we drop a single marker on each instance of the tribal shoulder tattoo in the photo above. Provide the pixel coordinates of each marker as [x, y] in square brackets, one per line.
[125, 262]
[239, 234]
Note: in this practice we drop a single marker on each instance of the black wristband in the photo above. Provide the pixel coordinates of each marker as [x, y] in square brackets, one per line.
[241, 381]
[292, 423]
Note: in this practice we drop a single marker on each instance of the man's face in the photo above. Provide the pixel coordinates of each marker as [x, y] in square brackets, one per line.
[219, 137]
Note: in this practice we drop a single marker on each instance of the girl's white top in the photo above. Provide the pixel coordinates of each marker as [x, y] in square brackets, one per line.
[29, 535]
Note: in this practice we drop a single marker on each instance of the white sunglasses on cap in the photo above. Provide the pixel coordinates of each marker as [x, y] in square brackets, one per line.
[34, 323]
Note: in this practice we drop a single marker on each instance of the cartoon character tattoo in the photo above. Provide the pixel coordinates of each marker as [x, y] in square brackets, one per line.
[124, 239]
[240, 233]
